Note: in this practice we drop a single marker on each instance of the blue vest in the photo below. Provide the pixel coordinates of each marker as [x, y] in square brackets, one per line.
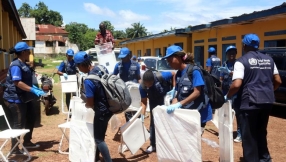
[69, 68]
[227, 79]
[257, 85]
[100, 101]
[215, 65]
[131, 75]
[157, 92]
[11, 91]
[185, 88]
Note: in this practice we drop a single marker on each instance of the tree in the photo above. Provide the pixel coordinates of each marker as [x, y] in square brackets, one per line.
[109, 26]
[41, 13]
[24, 10]
[119, 34]
[137, 30]
[81, 35]
[88, 41]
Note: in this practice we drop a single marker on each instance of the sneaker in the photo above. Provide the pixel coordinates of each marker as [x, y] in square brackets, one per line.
[150, 149]
[18, 152]
[30, 145]
[237, 139]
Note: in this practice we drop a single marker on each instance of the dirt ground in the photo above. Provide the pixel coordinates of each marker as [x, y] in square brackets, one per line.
[48, 135]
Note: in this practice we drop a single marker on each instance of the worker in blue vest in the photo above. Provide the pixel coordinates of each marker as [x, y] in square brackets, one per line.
[18, 95]
[128, 70]
[226, 72]
[255, 77]
[95, 99]
[155, 86]
[213, 63]
[190, 93]
[68, 67]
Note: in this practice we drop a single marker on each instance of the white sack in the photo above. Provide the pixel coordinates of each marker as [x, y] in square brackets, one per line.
[178, 135]
[226, 114]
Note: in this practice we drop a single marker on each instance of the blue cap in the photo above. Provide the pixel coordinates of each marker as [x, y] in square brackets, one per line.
[251, 40]
[80, 57]
[171, 50]
[70, 52]
[229, 48]
[21, 46]
[134, 57]
[123, 52]
[139, 58]
[211, 50]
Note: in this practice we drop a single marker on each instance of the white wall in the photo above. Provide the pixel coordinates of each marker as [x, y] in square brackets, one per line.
[29, 25]
[40, 48]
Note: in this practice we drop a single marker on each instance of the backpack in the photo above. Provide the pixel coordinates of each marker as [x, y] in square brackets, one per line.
[212, 85]
[117, 94]
[163, 82]
[166, 84]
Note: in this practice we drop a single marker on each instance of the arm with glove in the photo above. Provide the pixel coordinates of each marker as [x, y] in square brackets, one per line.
[224, 69]
[172, 93]
[176, 105]
[144, 105]
[27, 88]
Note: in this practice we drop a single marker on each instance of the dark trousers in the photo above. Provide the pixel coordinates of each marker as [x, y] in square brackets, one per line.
[22, 116]
[152, 128]
[30, 121]
[253, 125]
[152, 105]
[68, 99]
[100, 126]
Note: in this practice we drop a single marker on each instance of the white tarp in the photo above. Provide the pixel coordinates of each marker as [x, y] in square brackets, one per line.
[81, 145]
[106, 56]
[225, 121]
[133, 134]
[70, 84]
[133, 89]
[178, 135]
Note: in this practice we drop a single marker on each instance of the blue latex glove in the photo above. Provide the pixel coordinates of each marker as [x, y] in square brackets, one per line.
[224, 70]
[36, 87]
[226, 99]
[172, 93]
[142, 118]
[171, 108]
[80, 73]
[65, 75]
[37, 92]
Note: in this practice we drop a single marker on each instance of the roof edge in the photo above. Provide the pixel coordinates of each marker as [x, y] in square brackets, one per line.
[13, 7]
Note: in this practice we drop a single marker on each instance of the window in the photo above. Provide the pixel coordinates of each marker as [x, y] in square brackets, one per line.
[139, 53]
[62, 44]
[150, 63]
[164, 51]
[148, 52]
[275, 43]
[181, 44]
[49, 44]
[199, 55]
[158, 52]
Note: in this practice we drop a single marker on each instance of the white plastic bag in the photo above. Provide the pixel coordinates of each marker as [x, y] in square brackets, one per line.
[115, 123]
[178, 135]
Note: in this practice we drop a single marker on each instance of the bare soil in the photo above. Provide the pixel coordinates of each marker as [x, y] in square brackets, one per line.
[48, 135]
